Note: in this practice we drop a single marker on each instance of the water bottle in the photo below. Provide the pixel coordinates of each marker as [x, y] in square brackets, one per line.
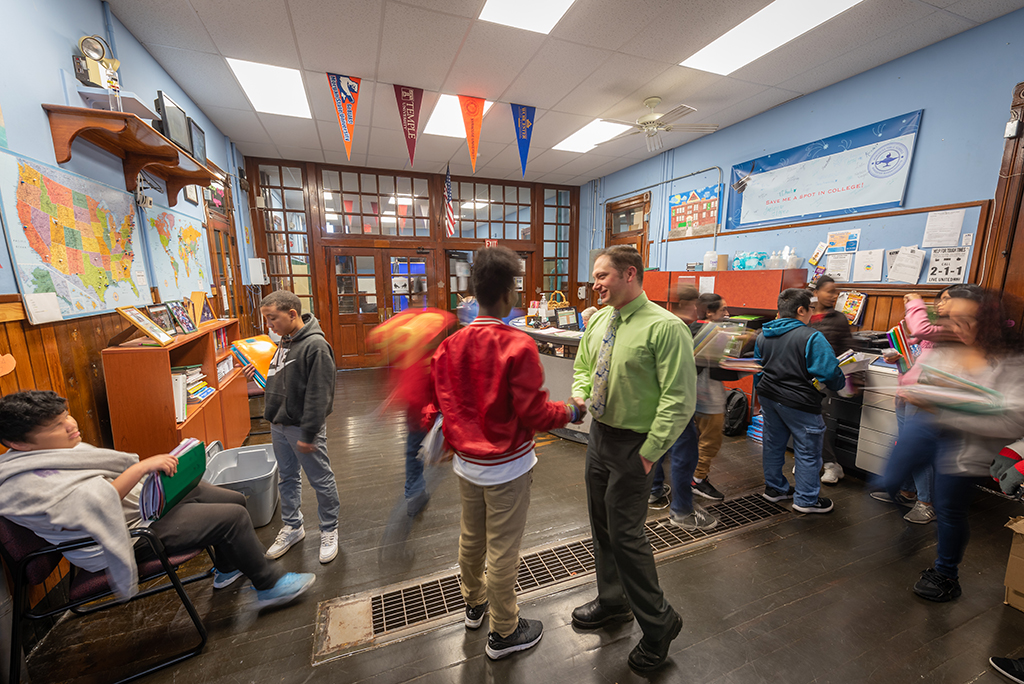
[711, 260]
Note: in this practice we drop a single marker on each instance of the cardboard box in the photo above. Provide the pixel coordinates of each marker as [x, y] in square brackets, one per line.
[1015, 566]
[723, 262]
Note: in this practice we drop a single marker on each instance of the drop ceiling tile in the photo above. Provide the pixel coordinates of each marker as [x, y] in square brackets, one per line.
[722, 94]
[556, 69]
[437, 148]
[670, 36]
[205, 77]
[498, 126]
[750, 107]
[385, 108]
[855, 27]
[340, 36]
[585, 162]
[239, 125]
[551, 128]
[321, 101]
[549, 160]
[290, 131]
[258, 150]
[392, 163]
[490, 59]
[610, 84]
[418, 46]
[931, 29]
[302, 154]
[331, 140]
[556, 178]
[164, 22]
[462, 8]
[333, 157]
[256, 30]
[608, 23]
[674, 86]
[981, 11]
[387, 143]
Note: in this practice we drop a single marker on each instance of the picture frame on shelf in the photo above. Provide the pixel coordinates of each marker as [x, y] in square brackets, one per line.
[198, 139]
[146, 325]
[192, 194]
[181, 316]
[207, 314]
[162, 316]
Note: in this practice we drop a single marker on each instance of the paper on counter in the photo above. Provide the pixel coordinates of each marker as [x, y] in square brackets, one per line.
[839, 266]
[707, 285]
[868, 266]
[906, 268]
[943, 228]
[43, 308]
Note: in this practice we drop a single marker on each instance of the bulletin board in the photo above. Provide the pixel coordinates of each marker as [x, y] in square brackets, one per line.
[885, 230]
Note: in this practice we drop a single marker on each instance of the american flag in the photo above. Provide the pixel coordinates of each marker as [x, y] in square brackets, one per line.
[449, 212]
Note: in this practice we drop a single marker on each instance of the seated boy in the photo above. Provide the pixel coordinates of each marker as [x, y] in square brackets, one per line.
[797, 362]
[63, 489]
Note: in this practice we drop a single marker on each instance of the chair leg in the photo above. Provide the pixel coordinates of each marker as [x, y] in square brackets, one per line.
[16, 617]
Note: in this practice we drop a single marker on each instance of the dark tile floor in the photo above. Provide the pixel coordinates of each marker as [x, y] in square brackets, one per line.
[804, 599]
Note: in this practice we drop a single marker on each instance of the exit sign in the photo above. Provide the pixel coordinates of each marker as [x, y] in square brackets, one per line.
[490, 243]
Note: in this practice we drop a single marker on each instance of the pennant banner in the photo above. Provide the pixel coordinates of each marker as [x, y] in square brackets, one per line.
[522, 117]
[473, 117]
[345, 90]
[409, 100]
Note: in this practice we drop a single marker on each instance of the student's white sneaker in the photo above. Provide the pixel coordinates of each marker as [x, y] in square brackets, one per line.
[328, 546]
[831, 473]
[286, 539]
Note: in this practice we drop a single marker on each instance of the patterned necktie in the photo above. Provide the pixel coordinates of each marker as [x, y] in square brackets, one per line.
[599, 395]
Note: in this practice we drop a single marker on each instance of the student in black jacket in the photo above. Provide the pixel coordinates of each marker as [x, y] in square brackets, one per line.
[836, 328]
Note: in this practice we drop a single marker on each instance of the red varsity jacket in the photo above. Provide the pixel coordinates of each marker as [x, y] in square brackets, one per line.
[486, 380]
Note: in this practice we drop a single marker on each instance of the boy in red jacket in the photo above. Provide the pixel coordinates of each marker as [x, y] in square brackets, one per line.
[486, 380]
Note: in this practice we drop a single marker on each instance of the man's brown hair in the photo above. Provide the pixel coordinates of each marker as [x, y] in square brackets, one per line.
[624, 256]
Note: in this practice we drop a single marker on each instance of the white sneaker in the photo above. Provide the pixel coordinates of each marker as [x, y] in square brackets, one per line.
[832, 473]
[286, 539]
[328, 546]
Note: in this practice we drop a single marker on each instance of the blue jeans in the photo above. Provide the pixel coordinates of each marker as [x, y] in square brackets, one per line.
[683, 456]
[415, 484]
[318, 471]
[808, 431]
[920, 479]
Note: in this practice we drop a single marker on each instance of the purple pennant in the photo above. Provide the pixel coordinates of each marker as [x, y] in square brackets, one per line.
[409, 100]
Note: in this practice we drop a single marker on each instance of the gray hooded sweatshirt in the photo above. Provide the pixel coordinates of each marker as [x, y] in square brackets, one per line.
[300, 382]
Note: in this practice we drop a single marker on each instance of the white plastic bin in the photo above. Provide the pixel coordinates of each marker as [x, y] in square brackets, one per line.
[251, 471]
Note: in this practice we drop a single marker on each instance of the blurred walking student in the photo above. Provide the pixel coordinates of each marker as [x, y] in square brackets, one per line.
[960, 444]
[486, 381]
[835, 326]
[797, 364]
[916, 489]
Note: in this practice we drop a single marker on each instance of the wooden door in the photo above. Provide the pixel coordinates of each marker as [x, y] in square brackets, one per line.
[626, 223]
[409, 280]
[359, 303]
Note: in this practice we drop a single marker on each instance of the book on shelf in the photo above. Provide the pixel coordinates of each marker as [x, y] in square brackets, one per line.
[851, 304]
[224, 367]
[160, 492]
[180, 391]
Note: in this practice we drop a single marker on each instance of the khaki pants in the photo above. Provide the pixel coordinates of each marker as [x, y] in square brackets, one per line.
[710, 427]
[493, 521]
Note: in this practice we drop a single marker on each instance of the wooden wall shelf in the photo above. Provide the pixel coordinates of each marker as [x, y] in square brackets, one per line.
[133, 140]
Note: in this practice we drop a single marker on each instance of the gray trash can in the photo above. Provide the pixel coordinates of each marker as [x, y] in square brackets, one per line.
[251, 471]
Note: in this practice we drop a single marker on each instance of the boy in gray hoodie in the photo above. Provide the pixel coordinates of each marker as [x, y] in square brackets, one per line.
[299, 397]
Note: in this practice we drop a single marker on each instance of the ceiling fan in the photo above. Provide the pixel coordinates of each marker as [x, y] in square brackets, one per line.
[652, 124]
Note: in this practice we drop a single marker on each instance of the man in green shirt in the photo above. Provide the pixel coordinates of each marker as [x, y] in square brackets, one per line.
[635, 364]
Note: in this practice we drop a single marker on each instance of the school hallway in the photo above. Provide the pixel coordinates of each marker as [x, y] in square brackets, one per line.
[769, 596]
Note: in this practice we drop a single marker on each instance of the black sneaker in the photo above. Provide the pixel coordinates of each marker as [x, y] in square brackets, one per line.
[527, 634]
[475, 615]
[775, 496]
[935, 586]
[1009, 668]
[822, 505]
[707, 490]
[660, 501]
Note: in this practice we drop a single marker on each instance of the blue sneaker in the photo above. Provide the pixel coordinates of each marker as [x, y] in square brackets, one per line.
[225, 579]
[289, 587]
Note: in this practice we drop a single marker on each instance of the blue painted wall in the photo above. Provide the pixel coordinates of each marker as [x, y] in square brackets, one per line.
[39, 39]
[964, 85]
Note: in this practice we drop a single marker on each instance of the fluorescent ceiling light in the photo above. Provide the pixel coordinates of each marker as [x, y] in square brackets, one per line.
[475, 205]
[331, 217]
[446, 119]
[772, 27]
[531, 15]
[388, 219]
[588, 137]
[272, 89]
[404, 200]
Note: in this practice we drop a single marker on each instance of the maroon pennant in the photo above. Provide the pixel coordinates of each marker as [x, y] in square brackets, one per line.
[409, 100]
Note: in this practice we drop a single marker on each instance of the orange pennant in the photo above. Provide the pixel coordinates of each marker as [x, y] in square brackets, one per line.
[345, 92]
[473, 117]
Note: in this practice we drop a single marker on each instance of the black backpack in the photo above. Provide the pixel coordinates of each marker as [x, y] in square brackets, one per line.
[735, 422]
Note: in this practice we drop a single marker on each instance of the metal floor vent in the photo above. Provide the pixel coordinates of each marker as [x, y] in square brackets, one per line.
[421, 602]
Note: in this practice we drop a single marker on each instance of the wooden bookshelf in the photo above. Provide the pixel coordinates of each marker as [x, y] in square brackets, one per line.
[140, 395]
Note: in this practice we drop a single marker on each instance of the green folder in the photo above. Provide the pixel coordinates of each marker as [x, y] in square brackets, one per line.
[191, 467]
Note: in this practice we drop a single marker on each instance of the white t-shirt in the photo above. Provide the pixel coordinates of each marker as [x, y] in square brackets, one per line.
[710, 394]
[488, 476]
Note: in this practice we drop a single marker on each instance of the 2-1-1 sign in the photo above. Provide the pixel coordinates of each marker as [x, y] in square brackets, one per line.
[948, 265]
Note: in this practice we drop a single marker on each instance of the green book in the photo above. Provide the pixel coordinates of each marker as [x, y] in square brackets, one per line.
[161, 493]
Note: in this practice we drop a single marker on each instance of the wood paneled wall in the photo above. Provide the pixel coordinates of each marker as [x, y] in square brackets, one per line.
[63, 357]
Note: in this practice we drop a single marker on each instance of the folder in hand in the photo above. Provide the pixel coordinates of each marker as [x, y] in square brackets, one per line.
[160, 492]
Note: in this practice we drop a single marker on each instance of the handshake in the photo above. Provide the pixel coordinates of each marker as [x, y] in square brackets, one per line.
[1008, 469]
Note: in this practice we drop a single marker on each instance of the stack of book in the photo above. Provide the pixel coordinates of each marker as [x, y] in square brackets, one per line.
[161, 493]
[194, 380]
[756, 429]
[908, 352]
[220, 340]
[948, 391]
[719, 345]
[852, 362]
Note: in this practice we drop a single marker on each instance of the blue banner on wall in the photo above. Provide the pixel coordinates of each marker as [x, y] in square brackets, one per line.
[865, 169]
[523, 117]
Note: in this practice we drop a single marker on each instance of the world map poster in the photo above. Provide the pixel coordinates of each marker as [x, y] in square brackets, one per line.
[71, 236]
[178, 253]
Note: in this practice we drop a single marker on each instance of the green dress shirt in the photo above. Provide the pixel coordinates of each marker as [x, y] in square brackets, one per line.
[652, 380]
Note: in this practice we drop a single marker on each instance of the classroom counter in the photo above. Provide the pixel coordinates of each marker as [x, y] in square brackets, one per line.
[557, 352]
